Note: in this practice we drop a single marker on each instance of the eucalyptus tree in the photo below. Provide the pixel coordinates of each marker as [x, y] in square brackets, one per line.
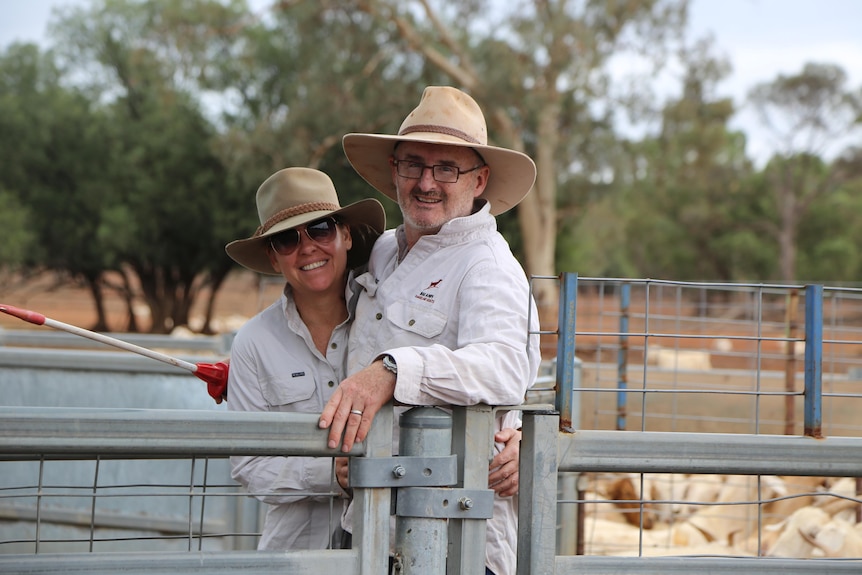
[830, 235]
[806, 114]
[686, 187]
[53, 141]
[166, 226]
[541, 71]
[302, 74]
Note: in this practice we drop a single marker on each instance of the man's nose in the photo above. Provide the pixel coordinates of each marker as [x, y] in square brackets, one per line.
[426, 180]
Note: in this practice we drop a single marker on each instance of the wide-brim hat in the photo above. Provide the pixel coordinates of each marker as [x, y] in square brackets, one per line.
[295, 196]
[445, 115]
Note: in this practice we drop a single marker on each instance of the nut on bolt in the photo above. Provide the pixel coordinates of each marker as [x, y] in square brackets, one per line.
[466, 503]
[399, 471]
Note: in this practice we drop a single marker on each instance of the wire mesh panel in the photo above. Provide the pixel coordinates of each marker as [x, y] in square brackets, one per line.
[116, 505]
[713, 357]
[657, 356]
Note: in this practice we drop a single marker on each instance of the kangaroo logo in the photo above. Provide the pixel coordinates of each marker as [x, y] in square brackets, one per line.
[425, 294]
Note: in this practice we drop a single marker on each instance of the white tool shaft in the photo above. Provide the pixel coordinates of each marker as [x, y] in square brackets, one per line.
[121, 344]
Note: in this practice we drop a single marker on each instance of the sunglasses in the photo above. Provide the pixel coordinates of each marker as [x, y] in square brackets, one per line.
[321, 232]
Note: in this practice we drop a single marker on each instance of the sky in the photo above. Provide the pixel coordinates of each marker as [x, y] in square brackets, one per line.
[761, 38]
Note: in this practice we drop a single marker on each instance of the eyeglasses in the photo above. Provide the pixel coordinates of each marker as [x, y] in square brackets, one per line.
[441, 172]
[320, 232]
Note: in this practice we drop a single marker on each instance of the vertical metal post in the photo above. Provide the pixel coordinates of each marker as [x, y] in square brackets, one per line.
[421, 542]
[371, 507]
[813, 360]
[568, 378]
[790, 361]
[567, 489]
[622, 356]
[473, 443]
[565, 396]
[537, 503]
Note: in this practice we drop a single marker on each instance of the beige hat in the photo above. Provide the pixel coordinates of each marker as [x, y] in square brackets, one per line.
[445, 115]
[294, 196]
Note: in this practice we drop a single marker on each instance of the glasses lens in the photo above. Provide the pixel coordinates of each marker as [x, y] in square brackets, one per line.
[285, 242]
[322, 231]
[406, 169]
[446, 174]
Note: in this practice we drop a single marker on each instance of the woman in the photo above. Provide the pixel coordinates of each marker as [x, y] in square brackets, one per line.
[292, 355]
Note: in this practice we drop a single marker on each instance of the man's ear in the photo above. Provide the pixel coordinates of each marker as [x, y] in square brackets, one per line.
[482, 175]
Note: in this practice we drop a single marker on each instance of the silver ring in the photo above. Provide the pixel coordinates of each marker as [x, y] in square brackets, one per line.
[356, 411]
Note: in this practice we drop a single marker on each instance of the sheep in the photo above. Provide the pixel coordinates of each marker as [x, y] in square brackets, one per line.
[678, 359]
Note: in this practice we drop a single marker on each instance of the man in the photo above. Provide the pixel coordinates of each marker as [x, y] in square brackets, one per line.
[446, 308]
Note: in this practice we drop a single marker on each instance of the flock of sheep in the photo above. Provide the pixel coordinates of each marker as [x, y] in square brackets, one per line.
[721, 515]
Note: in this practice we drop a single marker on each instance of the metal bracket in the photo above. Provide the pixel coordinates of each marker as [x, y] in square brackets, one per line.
[433, 503]
[403, 471]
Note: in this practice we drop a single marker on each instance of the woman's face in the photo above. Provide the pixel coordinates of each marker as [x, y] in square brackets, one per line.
[312, 257]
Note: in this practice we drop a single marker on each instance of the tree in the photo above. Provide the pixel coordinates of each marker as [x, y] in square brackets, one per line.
[830, 235]
[683, 188]
[538, 70]
[806, 113]
[166, 226]
[54, 144]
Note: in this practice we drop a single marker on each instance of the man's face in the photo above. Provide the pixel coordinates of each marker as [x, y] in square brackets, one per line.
[426, 203]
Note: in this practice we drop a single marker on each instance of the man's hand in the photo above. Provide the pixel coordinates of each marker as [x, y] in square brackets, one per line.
[356, 401]
[503, 476]
[342, 470]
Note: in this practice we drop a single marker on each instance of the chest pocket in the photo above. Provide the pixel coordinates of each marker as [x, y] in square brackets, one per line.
[420, 320]
[297, 391]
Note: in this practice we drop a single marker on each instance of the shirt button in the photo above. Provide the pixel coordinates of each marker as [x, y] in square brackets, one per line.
[379, 316]
[411, 322]
[331, 384]
[334, 346]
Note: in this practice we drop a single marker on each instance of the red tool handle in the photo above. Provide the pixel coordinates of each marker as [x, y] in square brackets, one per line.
[215, 374]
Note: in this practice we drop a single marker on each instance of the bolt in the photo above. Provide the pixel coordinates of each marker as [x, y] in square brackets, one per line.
[466, 503]
[399, 471]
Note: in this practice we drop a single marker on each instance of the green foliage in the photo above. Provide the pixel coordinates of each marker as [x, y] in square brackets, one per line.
[18, 237]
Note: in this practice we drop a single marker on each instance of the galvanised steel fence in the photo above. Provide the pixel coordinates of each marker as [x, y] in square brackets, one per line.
[745, 394]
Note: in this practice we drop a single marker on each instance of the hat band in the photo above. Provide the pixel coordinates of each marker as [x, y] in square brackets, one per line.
[440, 130]
[294, 211]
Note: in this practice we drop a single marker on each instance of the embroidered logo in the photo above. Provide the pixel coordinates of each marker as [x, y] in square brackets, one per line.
[297, 374]
[425, 294]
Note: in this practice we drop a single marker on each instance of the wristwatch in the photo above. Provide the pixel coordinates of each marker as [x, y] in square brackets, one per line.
[389, 363]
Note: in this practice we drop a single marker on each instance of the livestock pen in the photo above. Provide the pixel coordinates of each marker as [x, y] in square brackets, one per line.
[681, 427]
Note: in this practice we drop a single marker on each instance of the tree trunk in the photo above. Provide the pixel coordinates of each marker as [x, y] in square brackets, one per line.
[132, 325]
[537, 216]
[95, 288]
[217, 279]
